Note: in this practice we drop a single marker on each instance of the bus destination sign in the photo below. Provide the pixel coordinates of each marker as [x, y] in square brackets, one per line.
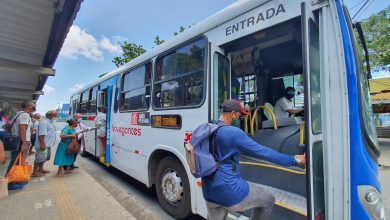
[166, 121]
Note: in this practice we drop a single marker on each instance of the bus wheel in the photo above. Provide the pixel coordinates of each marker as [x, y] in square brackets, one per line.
[173, 188]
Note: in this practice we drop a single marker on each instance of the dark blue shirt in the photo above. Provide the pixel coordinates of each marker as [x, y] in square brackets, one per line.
[226, 187]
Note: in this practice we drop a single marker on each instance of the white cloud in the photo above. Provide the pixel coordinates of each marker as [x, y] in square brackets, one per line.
[48, 89]
[81, 43]
[106, 44]
[76, 87]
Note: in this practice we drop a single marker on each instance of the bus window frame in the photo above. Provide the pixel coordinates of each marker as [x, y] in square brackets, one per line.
[121, 82]
[75, 103]
[205, 68]
[372, 149]
[87, 103]
[92, 102]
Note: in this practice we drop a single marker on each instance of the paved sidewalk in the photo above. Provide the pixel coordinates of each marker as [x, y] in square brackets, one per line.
[75, 196]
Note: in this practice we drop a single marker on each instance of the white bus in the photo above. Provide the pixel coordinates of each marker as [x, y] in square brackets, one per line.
[250, 51]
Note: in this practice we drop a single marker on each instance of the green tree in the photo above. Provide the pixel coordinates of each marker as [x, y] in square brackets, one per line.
[129, 52]
[377, 34]
[132, 50]
[181, 29]
[157, 40]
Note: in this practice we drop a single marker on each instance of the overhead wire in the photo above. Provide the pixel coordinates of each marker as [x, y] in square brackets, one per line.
[356, 5]
[365, 9]
[360, 9]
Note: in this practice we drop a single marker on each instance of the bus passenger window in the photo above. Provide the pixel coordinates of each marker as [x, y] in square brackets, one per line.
[84, 103]
[93, 94]
[179, 78]
[135, 94]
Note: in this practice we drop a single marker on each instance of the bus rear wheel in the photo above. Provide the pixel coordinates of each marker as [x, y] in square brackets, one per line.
[173, 188]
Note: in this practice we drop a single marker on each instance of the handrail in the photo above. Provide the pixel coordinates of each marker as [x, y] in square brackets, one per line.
[302, 134]
[255, 113]
[246, 124]
[250, 118]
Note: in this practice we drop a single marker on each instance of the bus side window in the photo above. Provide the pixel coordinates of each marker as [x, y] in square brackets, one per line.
[179, 78]
[84, 103]
[92, 101]
[135, 91]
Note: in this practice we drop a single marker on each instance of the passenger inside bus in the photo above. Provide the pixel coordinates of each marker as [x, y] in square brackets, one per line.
[284, 107]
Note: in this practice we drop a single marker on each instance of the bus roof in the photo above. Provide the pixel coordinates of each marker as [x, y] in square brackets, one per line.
[203, 26]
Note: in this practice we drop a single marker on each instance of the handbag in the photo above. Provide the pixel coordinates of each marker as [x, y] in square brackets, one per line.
[19, 172]
[3, 187]
[73, 147]
[11, 142]
[41, 156]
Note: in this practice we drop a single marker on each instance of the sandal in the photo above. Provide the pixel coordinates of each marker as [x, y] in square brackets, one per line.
[37, 175]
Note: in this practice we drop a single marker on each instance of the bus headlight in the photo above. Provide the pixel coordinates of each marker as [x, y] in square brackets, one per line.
[372, 202]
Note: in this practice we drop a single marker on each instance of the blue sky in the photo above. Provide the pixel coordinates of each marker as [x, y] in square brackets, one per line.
[91, 43]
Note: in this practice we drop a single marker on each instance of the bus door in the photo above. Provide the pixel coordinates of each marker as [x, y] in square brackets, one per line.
[313, 125]
[256, 69]
[104, 99]
[221, 80]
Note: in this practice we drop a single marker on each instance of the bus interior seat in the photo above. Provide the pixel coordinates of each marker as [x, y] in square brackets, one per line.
[268, 115]
[277, 138]
[281, 122]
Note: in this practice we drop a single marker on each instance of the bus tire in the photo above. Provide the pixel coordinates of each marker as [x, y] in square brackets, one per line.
[173, 188]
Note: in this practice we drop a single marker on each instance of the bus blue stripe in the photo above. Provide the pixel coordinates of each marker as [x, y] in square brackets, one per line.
[364, 170]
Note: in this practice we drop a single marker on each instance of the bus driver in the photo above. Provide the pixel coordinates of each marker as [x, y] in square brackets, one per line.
[284, 106]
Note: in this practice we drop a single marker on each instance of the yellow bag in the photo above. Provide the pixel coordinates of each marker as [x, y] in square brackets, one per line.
[19, 172]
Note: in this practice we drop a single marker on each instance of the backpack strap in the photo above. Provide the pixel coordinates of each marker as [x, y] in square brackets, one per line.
[212, 142]
[14, 119]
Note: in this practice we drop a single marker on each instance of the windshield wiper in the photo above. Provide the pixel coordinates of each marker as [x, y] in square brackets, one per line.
[359, 30]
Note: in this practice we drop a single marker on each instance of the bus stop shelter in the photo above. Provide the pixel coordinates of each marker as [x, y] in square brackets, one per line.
[31, 36]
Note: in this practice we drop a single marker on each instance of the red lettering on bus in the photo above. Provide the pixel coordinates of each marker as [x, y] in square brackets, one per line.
[126, 131]
[188, 136]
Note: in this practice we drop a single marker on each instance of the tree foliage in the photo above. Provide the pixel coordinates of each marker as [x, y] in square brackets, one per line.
[377, 34]
[129, 52]
[181, 29]
[157, 40]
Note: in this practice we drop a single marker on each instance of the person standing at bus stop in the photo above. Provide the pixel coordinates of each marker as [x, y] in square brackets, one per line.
[225, 190]
[101, 130]
[46, 139]
[81, 128]
[61, 159]
[3, 120]
[35, 123]
[20, 128]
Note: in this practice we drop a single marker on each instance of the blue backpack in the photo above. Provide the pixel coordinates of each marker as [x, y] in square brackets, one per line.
[200, 150]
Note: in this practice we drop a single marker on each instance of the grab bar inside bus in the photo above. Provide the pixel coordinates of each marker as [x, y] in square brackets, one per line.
[302, 135]
[265, 108]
